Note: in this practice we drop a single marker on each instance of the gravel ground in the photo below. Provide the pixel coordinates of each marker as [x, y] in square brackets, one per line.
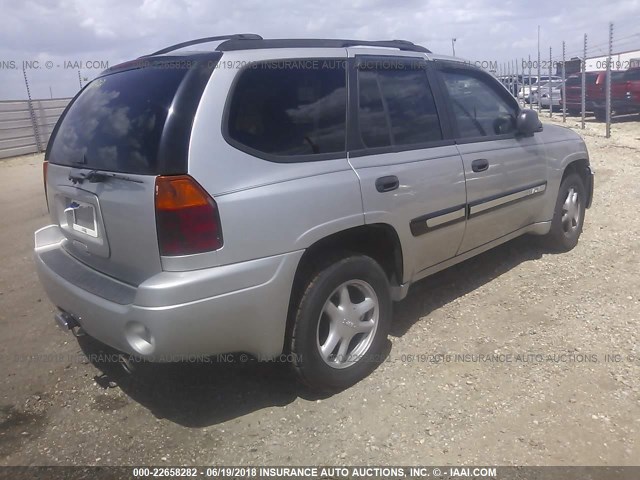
[550, 397]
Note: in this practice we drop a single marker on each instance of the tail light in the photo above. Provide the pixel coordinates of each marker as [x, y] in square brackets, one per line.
[45, 167]
[187, 217]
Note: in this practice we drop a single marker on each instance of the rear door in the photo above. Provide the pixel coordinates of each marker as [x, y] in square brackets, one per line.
[117, 135]
[410, 172]
[506, 174]
[631, 79]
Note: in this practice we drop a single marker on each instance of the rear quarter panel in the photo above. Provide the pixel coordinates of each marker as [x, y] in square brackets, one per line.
[266, 208]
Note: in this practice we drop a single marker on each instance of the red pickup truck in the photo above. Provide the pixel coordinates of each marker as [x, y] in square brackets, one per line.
[595, 92]
[625, 93]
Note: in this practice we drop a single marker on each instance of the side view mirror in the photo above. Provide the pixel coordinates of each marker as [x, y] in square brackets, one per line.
[527, 122]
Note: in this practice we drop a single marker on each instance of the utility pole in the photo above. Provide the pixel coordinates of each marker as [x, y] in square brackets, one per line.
[538, 82]
[529, 93]
[608, 83]
[584, 80]
[564, 88]
[550, 85]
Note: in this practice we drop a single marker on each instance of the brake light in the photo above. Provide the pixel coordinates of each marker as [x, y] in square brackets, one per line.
[187, 217]
[45, 167]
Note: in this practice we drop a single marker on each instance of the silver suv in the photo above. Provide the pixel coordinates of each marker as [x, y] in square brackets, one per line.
[276, 196]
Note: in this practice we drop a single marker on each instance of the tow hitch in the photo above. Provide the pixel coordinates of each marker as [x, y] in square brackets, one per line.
[67, 322]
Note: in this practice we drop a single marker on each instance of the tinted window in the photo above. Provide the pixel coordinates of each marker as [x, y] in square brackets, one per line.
[396, 107]
[573, 81]
[480, 108]
[289, 108]
[117, 121]
[631, 75]
[374, 127]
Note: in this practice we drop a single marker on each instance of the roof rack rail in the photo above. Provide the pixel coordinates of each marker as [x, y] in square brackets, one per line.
[251, 44]
[237, 36]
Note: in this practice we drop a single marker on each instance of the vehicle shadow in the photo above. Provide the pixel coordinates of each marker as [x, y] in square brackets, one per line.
[628, 118]
[445, 286]
[203, 393]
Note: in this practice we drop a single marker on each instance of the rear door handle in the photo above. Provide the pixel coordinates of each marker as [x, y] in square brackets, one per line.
[386, 184]
[480, 165]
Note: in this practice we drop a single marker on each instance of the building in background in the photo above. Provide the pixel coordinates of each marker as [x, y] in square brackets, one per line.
[619, 61]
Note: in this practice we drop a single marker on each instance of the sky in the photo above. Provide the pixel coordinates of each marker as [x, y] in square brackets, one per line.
[60, 37]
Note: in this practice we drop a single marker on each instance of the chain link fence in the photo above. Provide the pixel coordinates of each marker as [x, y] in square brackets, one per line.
[598, 83]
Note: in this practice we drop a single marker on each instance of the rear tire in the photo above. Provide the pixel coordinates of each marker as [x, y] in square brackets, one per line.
[341, 323]
[568, 216]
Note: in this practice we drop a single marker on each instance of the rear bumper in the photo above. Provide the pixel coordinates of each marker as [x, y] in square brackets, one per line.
[173, 315]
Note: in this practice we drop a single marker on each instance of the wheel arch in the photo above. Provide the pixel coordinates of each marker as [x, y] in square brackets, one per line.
[379, 241]
[582, 167]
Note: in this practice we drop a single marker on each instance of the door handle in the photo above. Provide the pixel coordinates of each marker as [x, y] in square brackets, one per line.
[480, 165]
[386, 184]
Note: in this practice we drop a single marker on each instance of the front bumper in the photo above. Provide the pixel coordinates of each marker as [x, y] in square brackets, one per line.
[173, 315]
[589, 186]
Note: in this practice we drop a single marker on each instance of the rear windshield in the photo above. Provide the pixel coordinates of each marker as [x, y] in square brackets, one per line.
[116, 123]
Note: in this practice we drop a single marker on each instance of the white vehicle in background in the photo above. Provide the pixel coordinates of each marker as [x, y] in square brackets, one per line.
[523, 92]
[548, 94]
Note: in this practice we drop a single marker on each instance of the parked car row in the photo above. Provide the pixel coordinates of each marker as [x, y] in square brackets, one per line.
[529, 87]
[521, 85]
[548, 94]
[547, 91]
[625, 93]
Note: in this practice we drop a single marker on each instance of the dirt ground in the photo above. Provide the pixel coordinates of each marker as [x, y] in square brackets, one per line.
[565, 389]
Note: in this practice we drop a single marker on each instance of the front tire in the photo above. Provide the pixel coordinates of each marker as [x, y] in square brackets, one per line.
[568, 216]
[341, 323]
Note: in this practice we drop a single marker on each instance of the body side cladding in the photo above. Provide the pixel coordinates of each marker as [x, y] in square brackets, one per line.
[443, 218]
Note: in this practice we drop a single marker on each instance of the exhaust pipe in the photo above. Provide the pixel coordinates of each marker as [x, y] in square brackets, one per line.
[126, 363]
[65, 321]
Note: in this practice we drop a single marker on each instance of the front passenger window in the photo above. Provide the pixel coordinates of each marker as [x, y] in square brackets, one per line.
[479, 108]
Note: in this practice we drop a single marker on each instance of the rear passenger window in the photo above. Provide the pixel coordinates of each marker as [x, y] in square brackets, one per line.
[291, 107]
[480, 109]
[396, 106]
[374, 127]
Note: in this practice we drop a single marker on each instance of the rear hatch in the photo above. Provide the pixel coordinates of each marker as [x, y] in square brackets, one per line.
[121, 131]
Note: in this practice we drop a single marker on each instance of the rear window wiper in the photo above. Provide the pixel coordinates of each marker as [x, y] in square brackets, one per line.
[94, 176]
